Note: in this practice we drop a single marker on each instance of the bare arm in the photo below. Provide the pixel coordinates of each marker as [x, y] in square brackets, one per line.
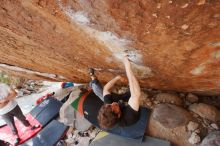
[109, 85]
[134, 86]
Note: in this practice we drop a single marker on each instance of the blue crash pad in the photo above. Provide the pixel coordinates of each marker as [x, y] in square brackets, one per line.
[107, 139]
[49, 135]
[47, 110]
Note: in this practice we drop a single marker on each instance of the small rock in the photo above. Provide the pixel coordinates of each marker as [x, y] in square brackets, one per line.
[213, 139]
[182, 95]
[187, 103]
[206, 122]
[206, 111]
[144, 95]
[170, 2]
[197, 131]
[194, 138]
[156, 102]
[192, 98]
[169, 98]
[192, 126]
[184, 6]
[201, 2]
[195, 115]
[184, 26]
[215, 126]
[149, 104]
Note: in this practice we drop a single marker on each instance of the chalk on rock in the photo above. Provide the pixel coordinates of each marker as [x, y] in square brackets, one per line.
[154, 15]
[185, 26]
[184, 6]
[192, 126]
[201, 2]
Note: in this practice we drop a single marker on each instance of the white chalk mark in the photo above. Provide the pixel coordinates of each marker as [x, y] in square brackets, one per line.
[118, 46]
[216, 54]
[198, 70]
[78, 17]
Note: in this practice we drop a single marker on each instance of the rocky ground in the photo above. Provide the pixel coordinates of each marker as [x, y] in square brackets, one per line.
[185, 119]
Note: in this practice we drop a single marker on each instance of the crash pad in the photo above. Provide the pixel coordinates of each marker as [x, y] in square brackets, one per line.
[23, 132]
[49, 135]
[41, 115]
[47, 110]
[89, 99]
[107, 139]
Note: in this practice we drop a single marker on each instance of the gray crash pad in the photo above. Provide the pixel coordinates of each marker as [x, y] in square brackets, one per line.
[107, 139]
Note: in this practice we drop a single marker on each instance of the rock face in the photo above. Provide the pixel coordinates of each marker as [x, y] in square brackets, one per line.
[170, 116]
[60, 39]
[213, 139]
[206, 111]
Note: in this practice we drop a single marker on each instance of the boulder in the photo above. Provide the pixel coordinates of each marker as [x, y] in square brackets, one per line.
[212, 139]
[169, 98]
[192, 98]
[170, 116]
[206, 111]
[177, 136]
[194, 138]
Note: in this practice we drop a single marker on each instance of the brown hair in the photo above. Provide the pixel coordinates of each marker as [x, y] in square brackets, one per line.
[106, 117]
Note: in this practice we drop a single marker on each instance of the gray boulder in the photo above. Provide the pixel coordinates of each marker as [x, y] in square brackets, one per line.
[171, 116]
[212, 139]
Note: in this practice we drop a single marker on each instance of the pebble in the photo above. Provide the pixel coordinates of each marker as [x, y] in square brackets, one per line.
[194, 138]
[192, 98]
[182, 95]
[192, 126]
[215, 126]
[197, 131]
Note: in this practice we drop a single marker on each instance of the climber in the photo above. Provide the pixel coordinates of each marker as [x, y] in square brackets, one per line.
[10, 109]
[115, 111]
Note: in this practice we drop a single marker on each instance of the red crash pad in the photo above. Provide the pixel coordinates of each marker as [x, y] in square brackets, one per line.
[24, 133]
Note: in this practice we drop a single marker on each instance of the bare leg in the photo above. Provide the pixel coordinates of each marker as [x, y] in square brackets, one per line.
[135, 90]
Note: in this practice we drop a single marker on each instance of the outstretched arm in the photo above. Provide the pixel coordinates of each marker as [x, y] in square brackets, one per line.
[109, 85]
[134, 86]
